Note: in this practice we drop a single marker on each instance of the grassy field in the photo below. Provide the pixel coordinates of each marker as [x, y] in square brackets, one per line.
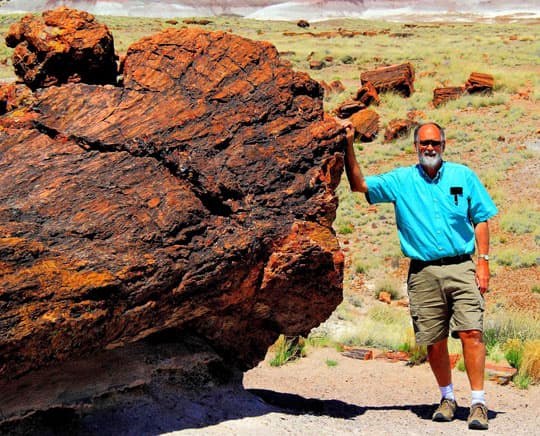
[497, 135]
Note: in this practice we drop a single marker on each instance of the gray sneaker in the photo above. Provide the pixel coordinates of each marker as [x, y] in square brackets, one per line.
[478, 417]
[445, 411]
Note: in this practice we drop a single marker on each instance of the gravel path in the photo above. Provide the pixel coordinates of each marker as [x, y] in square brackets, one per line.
[308, 397]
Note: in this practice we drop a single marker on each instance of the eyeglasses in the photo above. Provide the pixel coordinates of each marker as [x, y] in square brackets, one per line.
[431, 142]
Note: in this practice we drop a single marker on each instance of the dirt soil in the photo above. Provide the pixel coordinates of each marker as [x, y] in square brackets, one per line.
[379, 397]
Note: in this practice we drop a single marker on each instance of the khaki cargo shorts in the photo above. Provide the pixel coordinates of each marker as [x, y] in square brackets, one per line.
[444, 299]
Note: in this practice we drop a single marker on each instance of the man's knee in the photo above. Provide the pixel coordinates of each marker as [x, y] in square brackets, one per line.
[471, 336]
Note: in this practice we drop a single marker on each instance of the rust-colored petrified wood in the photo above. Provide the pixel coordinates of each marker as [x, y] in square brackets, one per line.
[199, 196]
[366, 124]
[398, 128]
[348, 107]
[442, 95]
[398, 78]
[334, 87]
[479, 82]
[367, 94]
[62, 46]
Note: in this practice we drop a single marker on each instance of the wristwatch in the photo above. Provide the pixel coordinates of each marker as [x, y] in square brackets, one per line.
[484, 256]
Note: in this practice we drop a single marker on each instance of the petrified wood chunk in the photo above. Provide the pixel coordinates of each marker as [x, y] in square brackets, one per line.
[442, 95]
[366, 124]
[334, 87]
[398, 78]
[367, 94]
[13, 96]
[348, 107]
[316, 65]
[479, 82]
[200, 196]
[61, 46]
[398, 128]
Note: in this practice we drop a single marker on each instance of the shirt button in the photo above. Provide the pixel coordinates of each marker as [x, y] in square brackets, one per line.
[440, 248]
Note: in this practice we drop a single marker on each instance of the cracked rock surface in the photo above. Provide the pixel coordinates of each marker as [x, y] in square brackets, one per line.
[198, 196]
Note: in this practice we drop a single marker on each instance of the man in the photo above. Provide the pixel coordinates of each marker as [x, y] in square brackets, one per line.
[441, 210]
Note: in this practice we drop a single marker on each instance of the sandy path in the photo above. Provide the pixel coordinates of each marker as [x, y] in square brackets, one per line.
[364, 397]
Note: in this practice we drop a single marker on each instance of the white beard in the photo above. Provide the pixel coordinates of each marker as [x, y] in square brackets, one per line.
[430, 159]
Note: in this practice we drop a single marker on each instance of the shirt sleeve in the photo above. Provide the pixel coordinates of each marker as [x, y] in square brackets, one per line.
[382, 188]
[481, 206]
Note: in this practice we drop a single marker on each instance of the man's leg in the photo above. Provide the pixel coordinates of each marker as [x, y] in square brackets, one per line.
[440, 365]
[439, 361]
[474, 355]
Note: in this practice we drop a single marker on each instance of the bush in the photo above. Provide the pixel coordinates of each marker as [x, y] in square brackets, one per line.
[418, 355]
[287, 349]
[347, 59]
[513, 352]
[530, 361]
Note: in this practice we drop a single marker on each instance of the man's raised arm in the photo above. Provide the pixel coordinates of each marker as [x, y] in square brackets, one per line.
[354, 173]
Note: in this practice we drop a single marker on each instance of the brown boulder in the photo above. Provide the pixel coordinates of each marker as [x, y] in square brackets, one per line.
[62, 46]
[199, 197]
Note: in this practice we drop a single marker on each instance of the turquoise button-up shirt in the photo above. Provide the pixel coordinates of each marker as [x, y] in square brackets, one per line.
[435, 217]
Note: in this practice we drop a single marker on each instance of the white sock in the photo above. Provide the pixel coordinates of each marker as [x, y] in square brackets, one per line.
[478, 397]
[448, 392]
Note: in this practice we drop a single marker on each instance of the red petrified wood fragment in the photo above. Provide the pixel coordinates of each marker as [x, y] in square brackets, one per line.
[366, 124]
[479, 82]
[367, 94]
[398, 78]
[398, 128]
[442, 95]
[62, 46]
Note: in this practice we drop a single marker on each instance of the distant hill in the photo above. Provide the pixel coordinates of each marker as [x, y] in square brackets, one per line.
[290, 10]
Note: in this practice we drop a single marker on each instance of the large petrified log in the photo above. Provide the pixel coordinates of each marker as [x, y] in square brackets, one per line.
[199, 196]
[398, 78]
[61, 46]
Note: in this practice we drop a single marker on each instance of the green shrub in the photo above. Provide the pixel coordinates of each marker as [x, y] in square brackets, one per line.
[530, 361]
[513, 352]
[331, 363]
[418, 355]
[521, 381]
[287, 349]
[390, 286]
